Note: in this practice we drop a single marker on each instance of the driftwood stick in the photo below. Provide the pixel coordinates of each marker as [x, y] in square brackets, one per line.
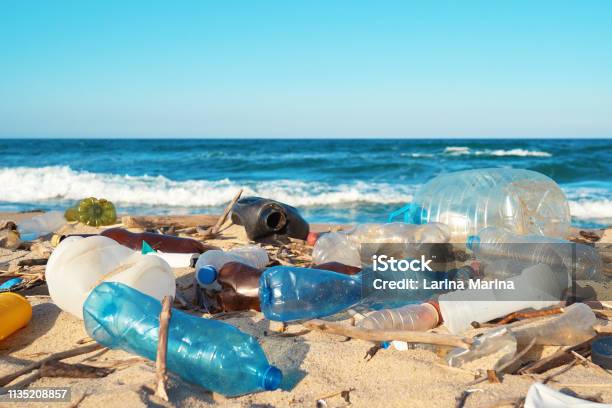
[529, 315]
[162, 348]
[388, 335]
[178, 221]
[53, 357]
[214, 230]
[557, 359]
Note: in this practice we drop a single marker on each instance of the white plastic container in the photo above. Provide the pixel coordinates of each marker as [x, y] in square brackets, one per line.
[79, 264]
[210, 262]
[43, 224]
[345, 246]
[522, 201]
[536, 287]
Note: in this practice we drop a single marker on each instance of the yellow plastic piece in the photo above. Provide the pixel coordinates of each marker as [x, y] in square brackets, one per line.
[15, 313]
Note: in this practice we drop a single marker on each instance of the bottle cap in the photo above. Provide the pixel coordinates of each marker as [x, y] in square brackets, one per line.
[472, 242]
[206, 275]
[272, 378]
[601, 352]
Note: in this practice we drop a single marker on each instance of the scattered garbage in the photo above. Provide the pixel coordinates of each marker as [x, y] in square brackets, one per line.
[421, 317]
[78, 264]
[522, 201]
[536, 287]
[158, 242]
[238, 289]
[15, 313]
[542, 396]
[208, 265]
[93, 211]
[262, 218]
[579, 260]
[32, 228]
[210, 353]
[346, 246]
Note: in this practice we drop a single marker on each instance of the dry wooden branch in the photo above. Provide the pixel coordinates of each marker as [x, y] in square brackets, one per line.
[214, 230]
[388, 335]
[53, 357]
[557, 359]
[530, 315]
[162, 348]
[177, 221]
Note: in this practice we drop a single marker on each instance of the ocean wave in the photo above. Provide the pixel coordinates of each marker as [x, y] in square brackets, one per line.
[56, 183]
[466, 151]
[592, 209]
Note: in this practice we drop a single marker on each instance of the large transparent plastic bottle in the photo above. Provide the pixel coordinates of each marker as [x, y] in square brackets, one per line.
[210, 353]
[345, 246]
[421, 317]
[522, 201]
[493, 244]
[39, 225]
[210, 262]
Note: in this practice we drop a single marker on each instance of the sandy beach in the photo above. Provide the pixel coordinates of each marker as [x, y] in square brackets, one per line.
[316, 366]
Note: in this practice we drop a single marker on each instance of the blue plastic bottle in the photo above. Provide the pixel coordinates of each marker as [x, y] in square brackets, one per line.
[212, 354]
[288, 293]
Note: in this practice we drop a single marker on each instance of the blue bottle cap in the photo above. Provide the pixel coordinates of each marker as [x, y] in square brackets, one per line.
[206, 275]
[601, 352]
[472, 241]
[272, 378]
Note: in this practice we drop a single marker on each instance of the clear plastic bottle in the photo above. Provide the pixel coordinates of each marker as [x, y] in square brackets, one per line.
[210, 262]
[345, 246]
[210, 353]
[43, 224]
[289, 293]
[522, 201]
[492, 244]
[410, 317]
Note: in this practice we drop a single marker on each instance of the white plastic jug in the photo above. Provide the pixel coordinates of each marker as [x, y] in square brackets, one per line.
[79, 264]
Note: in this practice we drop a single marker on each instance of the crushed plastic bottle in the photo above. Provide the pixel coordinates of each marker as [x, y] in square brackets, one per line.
[40, 225]
[421, 317]
[493, 244]
[208, 265]
[522, 201]
[210, 353]
[536, 287]
[78, 264]
[346, 246]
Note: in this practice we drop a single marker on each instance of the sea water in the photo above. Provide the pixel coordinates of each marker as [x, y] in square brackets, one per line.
[338, 180]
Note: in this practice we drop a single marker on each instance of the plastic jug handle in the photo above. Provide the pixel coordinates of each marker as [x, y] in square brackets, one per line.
[404, 210]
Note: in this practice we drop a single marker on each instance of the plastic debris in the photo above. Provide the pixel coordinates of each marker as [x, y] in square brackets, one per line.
[210, 353]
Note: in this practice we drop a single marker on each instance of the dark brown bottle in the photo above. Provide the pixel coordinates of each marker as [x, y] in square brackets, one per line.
[339, 267]
[239, 287]
[159, 242]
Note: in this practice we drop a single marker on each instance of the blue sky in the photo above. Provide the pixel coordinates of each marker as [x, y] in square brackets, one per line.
[305, 68]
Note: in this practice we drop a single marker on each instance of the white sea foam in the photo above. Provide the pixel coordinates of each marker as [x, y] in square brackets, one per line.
[464, 151]
[592, 209]
[25, 184]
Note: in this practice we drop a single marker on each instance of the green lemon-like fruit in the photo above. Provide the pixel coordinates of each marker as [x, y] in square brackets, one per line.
[72, 214]
[96, 212]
